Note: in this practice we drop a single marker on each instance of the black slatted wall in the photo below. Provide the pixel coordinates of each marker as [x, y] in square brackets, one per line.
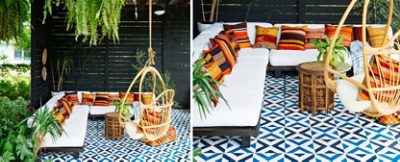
[278, 11]
[109, 66]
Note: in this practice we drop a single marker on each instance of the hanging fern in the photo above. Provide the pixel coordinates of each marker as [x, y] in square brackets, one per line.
[14, 17]
[87, 16]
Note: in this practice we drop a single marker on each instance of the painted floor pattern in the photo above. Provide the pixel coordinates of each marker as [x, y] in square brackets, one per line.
[286, 134]
[97, 148]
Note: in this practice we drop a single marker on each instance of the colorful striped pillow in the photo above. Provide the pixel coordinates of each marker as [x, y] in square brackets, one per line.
[292, 38]
[62, 110]
[232, 39]
[129, 100]
[240, 32]
[102, 99]
[114, 96]
[388, 69]
[313, 33]
[228, 52]
[346, 30]
[215, 71]
[376, 35]
[216, 55]
[72, 97]
[266, 37]
[357, 33]
[229, 43]
[87, 99]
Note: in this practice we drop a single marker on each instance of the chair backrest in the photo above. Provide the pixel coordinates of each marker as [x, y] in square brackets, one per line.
[382, 79]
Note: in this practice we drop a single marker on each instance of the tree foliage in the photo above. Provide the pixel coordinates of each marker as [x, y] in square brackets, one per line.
[15, 17]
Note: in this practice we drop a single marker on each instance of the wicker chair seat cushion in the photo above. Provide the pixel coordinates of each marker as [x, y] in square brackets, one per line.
[348, 93]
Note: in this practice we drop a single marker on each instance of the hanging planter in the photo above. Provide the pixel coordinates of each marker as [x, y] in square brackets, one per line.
[86, 17]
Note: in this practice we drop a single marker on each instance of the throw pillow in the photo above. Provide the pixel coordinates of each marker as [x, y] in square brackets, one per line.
[114, 96]
[240, 32]
[232, 39]
[215, 54]
[228, 51]
[357, 32]
[215, 71]
[346, 30]
[376, 35]
[266, 37]
[313, 33]
[87, 99]
[381, 76]
[72, 97]
[292, 38]
[129, 99]
[229, 43]
[102, 99]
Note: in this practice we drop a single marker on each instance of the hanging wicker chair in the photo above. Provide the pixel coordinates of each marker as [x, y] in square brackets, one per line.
[383, 89]
[155, 114]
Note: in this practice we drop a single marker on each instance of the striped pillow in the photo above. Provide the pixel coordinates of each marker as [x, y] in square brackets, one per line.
[114, 96]
[231, 44]
[228, 51]
[216, 55]
[102, 99]
[266, 37]
[376, 35]
[240, 32]
[382, 76]
[292, 38]
[357, 33]
[346, 30]
[313, 33]
[231, 37]
[129, 99]
[72, 97]
[87, 99]
[215, 71]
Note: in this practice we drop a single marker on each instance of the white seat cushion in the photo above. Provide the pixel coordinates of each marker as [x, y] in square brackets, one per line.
[101, 110]
[295, 57]
[75, 130]
[253, 53]
[348, 93]
[244, 91]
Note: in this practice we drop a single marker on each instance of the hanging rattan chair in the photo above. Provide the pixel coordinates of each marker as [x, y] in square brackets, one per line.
[382, 87]
[155, 115]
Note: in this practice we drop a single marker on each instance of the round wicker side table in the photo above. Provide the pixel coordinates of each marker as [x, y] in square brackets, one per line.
[113, 129]
[313, 93]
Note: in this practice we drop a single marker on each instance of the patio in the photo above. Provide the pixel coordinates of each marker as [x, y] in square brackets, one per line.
[288, 134]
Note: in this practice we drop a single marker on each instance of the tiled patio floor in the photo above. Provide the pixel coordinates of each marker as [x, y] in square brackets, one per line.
[288, 135]
[97, 148]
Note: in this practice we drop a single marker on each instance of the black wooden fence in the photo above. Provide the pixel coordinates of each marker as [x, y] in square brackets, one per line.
[109, 66]
[278, 11]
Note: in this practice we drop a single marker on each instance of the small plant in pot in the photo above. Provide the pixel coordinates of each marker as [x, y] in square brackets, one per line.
[339, 51]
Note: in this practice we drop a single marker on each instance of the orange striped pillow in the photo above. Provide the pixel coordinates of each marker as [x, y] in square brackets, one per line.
[292, 38]
[216, 55]
[240, 32]
[346, 30]
[376, 35]
[266, 37]
[215, 71]
[388, 69]
[228, 52]
[313, 33]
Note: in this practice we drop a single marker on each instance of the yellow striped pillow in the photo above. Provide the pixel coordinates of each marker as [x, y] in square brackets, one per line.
[376, 35]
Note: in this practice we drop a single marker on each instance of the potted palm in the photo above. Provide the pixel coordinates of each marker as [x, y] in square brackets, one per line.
[339, 51]
[201, 26]
[205, 89]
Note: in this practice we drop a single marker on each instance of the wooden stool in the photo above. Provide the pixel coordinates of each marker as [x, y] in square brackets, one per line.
[313, 93]
[114, 130]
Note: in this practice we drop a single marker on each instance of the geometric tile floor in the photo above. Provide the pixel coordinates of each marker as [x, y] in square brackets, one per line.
[97, 148]
[286, 134]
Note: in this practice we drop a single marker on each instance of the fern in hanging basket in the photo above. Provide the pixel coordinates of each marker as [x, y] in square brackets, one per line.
[87, 16]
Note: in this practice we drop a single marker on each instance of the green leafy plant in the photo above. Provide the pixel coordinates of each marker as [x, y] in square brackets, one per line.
[339, 51]
[378, 12]
[15, 16]
[87, 16]
[196, 153]
[12, 112]
[124, 110]
[205, 88]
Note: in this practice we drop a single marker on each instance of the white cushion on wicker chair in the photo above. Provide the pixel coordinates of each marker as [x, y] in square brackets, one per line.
[348, 92]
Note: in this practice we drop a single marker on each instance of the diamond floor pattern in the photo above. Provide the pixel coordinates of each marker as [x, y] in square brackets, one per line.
[286, 134]
[97, 148]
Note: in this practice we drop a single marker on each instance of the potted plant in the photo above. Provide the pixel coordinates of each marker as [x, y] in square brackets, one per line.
[61, 66]
[339, 51]
[205, 88]
[201, 26]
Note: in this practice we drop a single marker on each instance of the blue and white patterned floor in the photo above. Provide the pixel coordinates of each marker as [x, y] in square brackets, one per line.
[286, 134]
[97, 148]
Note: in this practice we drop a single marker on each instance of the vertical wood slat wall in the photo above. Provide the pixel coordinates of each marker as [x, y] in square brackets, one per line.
[108, 66]
[278, 11]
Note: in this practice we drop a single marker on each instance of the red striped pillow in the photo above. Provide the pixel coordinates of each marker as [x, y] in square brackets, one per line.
[216, 55]
[313, 33]
[240, 32]
[102, 99]
[266, 37]
[346, 30]
[292, 38]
